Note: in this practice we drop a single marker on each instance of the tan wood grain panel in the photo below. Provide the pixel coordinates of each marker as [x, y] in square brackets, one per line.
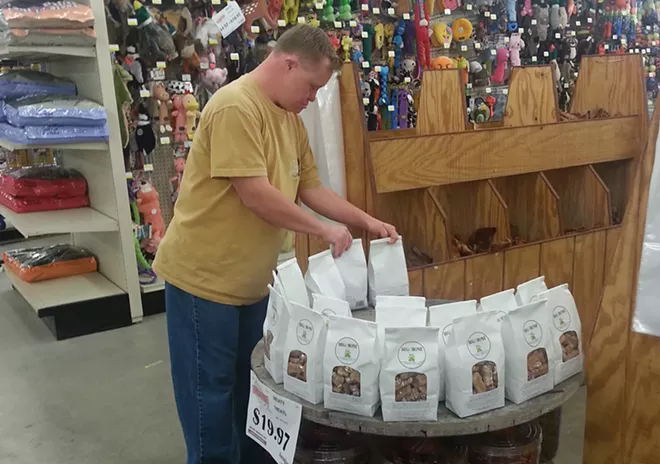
[521, 264]
[416, 282]
[442, 103]
[533, 206]
[584, 200]
[425, 161]
[483, 275]
[532, 97]
[617, 178]
[588, 275]
[611, 242]
[445, 281]
[557, 261]
[391, 134]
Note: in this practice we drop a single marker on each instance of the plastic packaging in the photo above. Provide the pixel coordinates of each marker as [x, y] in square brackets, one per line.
[516, 445]
[47, 37]
[50, 110]
[54, 134]
[426, 451]
[43, 181]
[49, 262]
[34, 204]
[331, 453]
[15, 84]
[60, 14]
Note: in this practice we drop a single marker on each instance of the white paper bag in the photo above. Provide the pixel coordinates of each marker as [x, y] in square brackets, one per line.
[399, 311]
[501, 302]
[351, 365]
[528, 292]
[409, 380]
[293, 282]
[352, 266]
[475, 364]
[323, 276]
[303, 363]
[527, 337]
[275, 326]
[566, 332]
[442, 316]
[388, 273]
[329, 306]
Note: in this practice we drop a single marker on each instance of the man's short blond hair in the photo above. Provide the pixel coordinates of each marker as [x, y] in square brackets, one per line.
[311, 44]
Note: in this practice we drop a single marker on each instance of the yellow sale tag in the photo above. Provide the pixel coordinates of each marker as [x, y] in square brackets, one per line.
[390, 107]
[233, 56]
[213, 41]
[365, 64]
[215, 2]
[391, 12]
[132, 21]
[377, 69]
[376, 10]
[301, 20]
[255, 29]
[281, 23]
[161, 64]
[164, 140]
[365, 101]
[113, 47]
[365, 7]
[391, 53]
[145, 93]
[149, 167]
[179, 2]
[406, 16]
[353, 23]
[338, 24]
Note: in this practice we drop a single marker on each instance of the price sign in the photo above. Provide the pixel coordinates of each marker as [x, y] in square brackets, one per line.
[113, 47]
[507, 40]
[446, 44]
[377, 69]
[406, 16]
[534, 59]
[352, 23]
[318, 6]
[145, 93]
[149, 167]
[614, 37]
[558, 35]
[521, 30]
[365, 7]
[488, 90]
[493, 52]
[469, 7]
[185, 77]
[273, 421]
[179, 2]
[254, 29]
[229, 18]
[505, 91]
[376, 10]
[566, 85]
[477, 45]
[391, 12]
[338, 24]
[637, 50]
[447, 11]
[132, 21]
[464, 48]
[391, 53]
[487, 14]
[493, 16]
[187, 144]
[215, 2]
[578, 23]
[233, 56]
[161, 64]
[365, 64]
[407, 80]
[213, 41]
[534, 22]
[157, 2]
[390, 108]
[546, 54]
[607, 47]
[631, 51]
[365, 101]
[164, 140]
[590, 20]
[203, 65]
[365, 35]
[281, 23]
[468, 85]
[129, 175]
[301, 20]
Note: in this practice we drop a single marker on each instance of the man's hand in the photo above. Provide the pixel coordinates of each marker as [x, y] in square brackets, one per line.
[382, 229]
[339, 239]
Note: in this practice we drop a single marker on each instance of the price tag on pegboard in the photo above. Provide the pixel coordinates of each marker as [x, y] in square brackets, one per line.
[376, 10]
[164, 140]
[407, 80]
[391, 12]
[185, 77]
[318, 5]
[546, 54]
[493, 16]
[213, 41]
[590, 20]
[148, 167]
[365, 35]
[157, 2]
[493, 52]
[129, 175]
[488, 90]
[132, 21]
[281, 23]
[365, 7]
[338, 24]
[534, 22]
[113, 47]
[390, 108]
[507, 40]
[179, 2]
[233, 56]
[534, 59]
[566, 85]
[446, 45]
[255, 29]
[468, 7]
[521, 31]
[557, 35]
[366, 65]
[505, 91]
[377, 69]
[464, 48]
[406, 16]
[447, 11]
[273, 421]
[352, 23]
[615, 37]
[477, 45]
[391, 53]
[203, 65]
[144, 93]
[365, 101]
[215, 2]
[468, 85]
[161, 64]
[187, 143]
[301, 20]
[578, 23]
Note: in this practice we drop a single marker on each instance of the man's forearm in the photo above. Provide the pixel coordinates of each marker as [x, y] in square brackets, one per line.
[327, 203]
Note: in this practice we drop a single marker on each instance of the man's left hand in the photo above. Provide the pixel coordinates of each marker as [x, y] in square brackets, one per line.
[382, 229]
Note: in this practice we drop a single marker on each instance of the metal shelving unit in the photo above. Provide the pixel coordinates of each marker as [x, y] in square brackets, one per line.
[111, 297]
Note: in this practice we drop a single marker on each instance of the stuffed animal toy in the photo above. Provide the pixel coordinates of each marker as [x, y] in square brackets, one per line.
[346, 45]
[379, 39]
[179, 166]
[500, 70]
[527, 9]
[367, 42]
[422, 34]
[480, 113]
[328, 13]
[512, 24]
[213, 78]
[273, 12]
[144, 134]
[480, 77]
[442, 62]
[179, 119]
[121, 77]
[290, 11]
[442, 34]
[154, 41]
[344, 12]
[542, 15]
[462, 64]
[149, 207]
[252, 12]
[554, 14]
[461, 29]
[334, 40]
[515, 45]
[162, 100]
[192, 114]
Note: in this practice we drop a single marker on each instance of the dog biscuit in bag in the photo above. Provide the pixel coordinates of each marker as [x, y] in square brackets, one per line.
[352, 266]
[276, 324]
[409, 380]
[528, 292]
[293, 282]
[351, 365]
[475, 364]
[566, 332]
[323, 276]
[388, 272]
[303, 352]
[529, 352]
[329, 306]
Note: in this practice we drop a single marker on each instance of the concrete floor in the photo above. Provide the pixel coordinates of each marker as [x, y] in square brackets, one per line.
[106, 398]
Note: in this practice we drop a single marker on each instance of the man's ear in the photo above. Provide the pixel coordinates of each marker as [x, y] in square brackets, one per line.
[291, 62]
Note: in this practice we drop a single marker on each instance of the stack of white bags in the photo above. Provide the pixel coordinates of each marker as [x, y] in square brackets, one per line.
[472, 355]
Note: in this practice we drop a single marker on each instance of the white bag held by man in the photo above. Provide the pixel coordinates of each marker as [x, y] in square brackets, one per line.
[388, 273]
[566, 332]
[329, 306]
[303, 352]
[352, 266]
[409, 380]
[475, 364]
[351, 365]
[530, 355]
[442, 316]
[293, 282]
[275, 326]
[502, 302]
[528, 292]
[323, 276]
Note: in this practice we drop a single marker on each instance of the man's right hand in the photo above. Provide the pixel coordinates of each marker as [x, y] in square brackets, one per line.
[338, 237]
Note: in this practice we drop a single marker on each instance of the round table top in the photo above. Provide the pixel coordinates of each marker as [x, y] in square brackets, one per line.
[448, 424]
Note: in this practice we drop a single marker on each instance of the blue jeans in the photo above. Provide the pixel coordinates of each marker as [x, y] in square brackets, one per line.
[210, 348]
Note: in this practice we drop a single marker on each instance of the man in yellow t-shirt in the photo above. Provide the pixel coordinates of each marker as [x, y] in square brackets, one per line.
[249, 161]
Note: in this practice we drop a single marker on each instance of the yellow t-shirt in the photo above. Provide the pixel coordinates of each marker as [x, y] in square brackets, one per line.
[215, 247]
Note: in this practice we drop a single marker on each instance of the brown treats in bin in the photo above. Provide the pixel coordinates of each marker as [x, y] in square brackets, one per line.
[484, 377]
[410, 386]
[570, 345]
[537, 363]
[268, 339]
[297, 365]
[346, 380]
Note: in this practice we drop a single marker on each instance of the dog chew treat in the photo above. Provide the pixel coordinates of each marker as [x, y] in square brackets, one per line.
[537, 363]
[570, 346]
[267, 341]
[346, 381]
[297, 365]
[410, 386]
[484, 377]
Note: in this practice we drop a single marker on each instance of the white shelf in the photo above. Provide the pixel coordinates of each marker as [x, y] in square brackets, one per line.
[60, 221]
[64, 291]
[95, 146]
[37, 53]
[155, 287]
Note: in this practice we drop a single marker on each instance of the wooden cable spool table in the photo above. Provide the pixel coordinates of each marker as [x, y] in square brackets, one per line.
[447, 425]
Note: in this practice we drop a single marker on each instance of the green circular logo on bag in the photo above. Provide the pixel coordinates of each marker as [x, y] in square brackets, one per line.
[533, 333]
[478, 344]
[561, 318]
[347, 350]
[412, 355]
[446, 332]
[305, 331]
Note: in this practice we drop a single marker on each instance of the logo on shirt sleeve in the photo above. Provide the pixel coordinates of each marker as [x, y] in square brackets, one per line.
[295, 168]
